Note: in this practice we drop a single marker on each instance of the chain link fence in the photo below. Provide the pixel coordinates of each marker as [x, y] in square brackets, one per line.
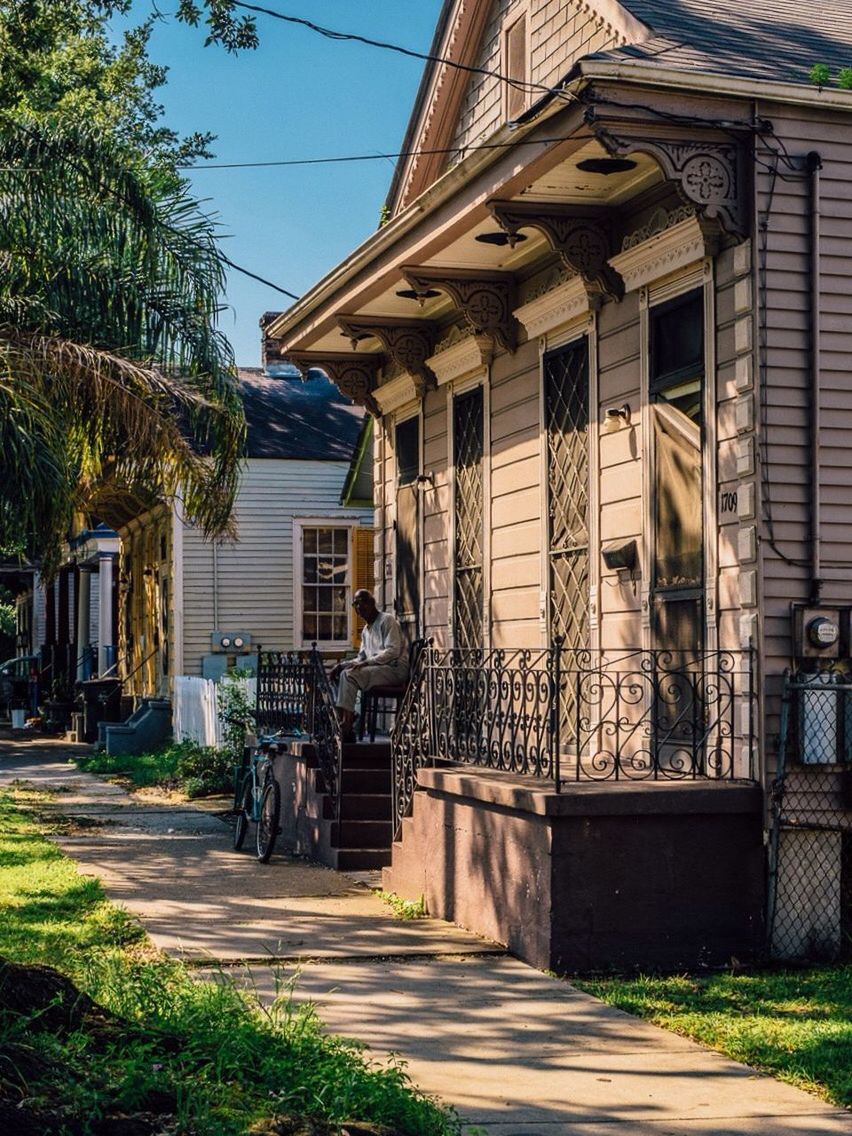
[810, 876]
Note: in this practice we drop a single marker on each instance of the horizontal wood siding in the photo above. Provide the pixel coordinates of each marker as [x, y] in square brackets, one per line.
[252, 583]
[784, 449]
[620, 486]
[557, 35]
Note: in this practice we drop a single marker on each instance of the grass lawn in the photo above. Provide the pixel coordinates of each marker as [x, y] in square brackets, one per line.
[191, 769]
[795, 1024]
[200, 1053]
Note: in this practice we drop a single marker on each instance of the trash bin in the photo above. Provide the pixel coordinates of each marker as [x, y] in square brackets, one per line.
[101, 703]
[19, 718]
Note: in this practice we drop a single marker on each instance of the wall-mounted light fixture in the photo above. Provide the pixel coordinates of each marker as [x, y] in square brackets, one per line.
[616, 415]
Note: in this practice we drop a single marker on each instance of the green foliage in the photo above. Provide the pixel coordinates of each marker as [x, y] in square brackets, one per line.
[820, 74]
[236, 710]
[795, 1024]
[203, 1050]
[196, 770]
[404, 908]
[844, 78]
[114, 379]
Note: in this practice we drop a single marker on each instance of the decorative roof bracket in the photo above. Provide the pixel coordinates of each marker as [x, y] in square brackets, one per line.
[485, 299]
[709, 173]
[582, 241]
[353, 373]
[408, 344]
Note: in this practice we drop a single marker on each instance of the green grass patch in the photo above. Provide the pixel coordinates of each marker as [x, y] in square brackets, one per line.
[187, 767]
[204, 1054]
[404, 908]
[795, 1024]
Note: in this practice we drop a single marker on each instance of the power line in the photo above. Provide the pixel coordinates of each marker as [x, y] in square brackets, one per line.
[375, 157]
[330, 33]
[260, 279]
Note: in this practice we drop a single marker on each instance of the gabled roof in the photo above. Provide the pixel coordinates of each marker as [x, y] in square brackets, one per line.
[776, 40]
[289, 418]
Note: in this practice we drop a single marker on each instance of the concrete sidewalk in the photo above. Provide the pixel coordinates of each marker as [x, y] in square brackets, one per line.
[517, 1052]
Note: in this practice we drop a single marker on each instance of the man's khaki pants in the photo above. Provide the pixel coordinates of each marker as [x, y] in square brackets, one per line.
[365, 678]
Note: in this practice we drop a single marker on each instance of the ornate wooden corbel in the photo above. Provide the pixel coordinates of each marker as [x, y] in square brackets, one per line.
[708, 173]
[582, 241]
[354, 374]
[485, 299]
[408, 344]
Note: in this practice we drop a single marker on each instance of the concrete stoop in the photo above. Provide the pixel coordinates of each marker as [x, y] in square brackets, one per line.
[360, 839]
[652, 874]
[145, 730]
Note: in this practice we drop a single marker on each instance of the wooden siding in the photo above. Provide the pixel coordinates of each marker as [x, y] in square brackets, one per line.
[787, 393]
[557, 35]
[247, 585]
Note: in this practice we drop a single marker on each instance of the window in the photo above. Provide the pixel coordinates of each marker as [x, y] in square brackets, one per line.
[325, 584]
[515, 68]
[677, 399]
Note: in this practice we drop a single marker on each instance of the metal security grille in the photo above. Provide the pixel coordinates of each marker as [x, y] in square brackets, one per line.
[810, 879]
[566, 397]
[467, 454]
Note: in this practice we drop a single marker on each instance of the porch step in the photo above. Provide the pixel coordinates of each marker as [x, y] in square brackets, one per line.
[361, 833]
[365, 806]
[360, 859]
[365, 755]
[366, 781]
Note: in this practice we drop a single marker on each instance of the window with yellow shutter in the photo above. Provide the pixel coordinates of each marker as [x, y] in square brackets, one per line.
[362, 572]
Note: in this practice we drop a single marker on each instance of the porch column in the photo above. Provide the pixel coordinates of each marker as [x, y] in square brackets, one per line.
[106, 624]
[84, 581]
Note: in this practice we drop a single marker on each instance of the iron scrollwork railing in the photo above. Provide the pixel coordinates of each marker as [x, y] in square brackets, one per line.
[566, 715]
[294, 697]
[325, 731]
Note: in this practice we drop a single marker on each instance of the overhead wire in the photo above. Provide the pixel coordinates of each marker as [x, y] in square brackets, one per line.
[330, 33]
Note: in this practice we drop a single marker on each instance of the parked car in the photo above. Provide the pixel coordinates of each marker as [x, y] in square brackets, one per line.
[16, 676]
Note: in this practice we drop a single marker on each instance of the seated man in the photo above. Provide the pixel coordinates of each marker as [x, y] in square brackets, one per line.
[382, 660]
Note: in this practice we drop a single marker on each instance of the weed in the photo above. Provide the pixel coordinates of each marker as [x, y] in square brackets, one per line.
[404, 908]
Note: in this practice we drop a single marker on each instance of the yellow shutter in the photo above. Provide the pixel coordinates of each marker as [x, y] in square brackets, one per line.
[362, 572]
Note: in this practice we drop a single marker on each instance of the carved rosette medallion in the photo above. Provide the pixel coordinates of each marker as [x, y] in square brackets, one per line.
[582, 241]
[707, 172]
[407, 344]
[353, 374]
[485, 299]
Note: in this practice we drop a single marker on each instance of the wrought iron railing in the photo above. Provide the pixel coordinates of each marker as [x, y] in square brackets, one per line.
[284, 692]
[565, 715]
[294, 696]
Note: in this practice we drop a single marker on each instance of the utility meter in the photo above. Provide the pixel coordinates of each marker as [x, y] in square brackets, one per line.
[816, 633]
[822, 632]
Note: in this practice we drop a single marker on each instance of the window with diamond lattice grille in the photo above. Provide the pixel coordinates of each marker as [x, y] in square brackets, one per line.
[566, 397]
[469, 514]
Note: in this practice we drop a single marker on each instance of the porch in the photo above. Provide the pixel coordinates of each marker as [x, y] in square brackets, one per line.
[587, 810]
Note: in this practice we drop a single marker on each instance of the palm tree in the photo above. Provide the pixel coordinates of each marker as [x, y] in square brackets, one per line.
[116, 388]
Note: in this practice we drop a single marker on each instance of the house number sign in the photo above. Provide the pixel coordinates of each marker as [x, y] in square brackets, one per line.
[727, 502]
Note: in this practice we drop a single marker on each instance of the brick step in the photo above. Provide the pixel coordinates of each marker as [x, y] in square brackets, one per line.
[361, 833]
[361, 859]
[361, 806]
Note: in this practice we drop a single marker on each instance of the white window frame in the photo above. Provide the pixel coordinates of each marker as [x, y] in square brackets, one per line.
[299, 526]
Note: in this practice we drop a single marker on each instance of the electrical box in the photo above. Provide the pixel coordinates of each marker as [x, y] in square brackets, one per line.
[231, 642]
[818, 632]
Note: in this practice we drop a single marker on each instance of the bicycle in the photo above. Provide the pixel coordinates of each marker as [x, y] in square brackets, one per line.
[257, 797]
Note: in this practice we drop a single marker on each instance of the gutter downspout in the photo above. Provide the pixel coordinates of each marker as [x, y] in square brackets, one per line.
[813, 164]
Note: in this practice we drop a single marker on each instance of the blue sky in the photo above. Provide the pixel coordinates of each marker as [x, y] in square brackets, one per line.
[298, 95]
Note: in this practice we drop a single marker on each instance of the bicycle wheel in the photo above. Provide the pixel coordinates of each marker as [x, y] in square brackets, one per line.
[243, 813]
[270, 815]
